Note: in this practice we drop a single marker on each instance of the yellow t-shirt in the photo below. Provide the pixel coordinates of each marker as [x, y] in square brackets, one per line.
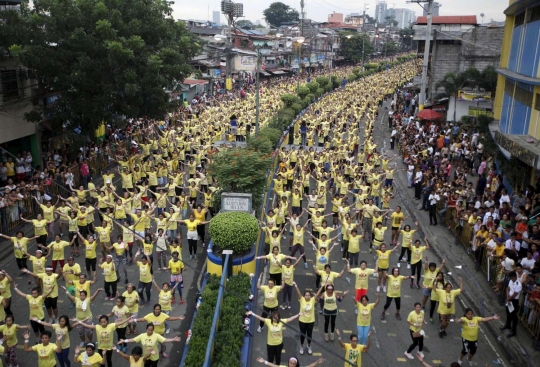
[270, 296]
[110, 273]
[58, 249]
[75, 269]
[394, 286]
[121, 315]
[133, 363]
[120, 248]
[63, 331]
[362, 277]
[39, 227]
[90, 249]
[104, 234]
[469, 328]
[105, 336]
[150, 343]
[176, 267]
[383, 259]
[416, 253]
[20, 244]
[10, 334]
[397, 218]
[38, 265]
[36, 307]
[275, 262]
[46, 354]
[192, 224]
[48, 212]
[144, 272]
[288, 274]
[275, 332]
[158, 321]
[164, 300]
[407, 237]
[445, 299]
[353, 355]
[354, 244]
[327, 278]
[82, 287]
[364, 314]
[93, 361]
[5, 289]
[429, 277]
[49, 281]
[417, 319]
[307, 310]
[80, 313]
[132, 301]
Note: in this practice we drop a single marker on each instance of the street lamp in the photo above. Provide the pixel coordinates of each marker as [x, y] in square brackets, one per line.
[298, 40]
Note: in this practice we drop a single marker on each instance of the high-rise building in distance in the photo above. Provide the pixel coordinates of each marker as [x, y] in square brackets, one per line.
[436, 7]
[216, 17]
[380, 11]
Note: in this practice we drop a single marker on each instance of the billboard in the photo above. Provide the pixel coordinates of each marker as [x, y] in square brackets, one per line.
[480, 111]
[464, 95]
[248, 60]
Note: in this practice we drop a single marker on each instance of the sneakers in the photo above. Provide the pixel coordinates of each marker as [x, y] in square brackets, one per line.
[326, 337]
[383, 316]
[408, 355]
[167, 331]
[309, 351]
[194, 257]
[431, 320]
[398, 265]
[398, 316]
[289, 306]
[421, 354]
[282, 307]
[378, 288]
[384, 289]
[301, 350]
[181, 301]
[305, 265]
[417, 286]
[332, 336]
[408, 266]
[259, 329]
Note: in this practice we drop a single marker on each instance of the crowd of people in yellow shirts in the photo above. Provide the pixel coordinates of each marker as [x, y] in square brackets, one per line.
[333, 189]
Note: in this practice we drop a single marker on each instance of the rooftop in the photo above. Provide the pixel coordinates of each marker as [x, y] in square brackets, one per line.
[449, 19]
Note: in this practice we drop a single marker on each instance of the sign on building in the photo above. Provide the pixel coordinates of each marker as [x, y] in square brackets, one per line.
[480, 111]
[234, 202]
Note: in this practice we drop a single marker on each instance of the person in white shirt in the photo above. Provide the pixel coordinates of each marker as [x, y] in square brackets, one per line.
[418, 185]
[512, 244]
[528, 262]
[433, 199]
[512, 304]
[491, 213]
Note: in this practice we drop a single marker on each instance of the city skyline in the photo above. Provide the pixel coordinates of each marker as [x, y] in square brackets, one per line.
[318, 10]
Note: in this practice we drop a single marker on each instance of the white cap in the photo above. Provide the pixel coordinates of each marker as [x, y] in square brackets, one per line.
[108, 181]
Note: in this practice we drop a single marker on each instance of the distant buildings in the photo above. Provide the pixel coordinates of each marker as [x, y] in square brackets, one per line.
[404, 17]
[436, 7]
[380, 11]
[216, 17]
[335, 18]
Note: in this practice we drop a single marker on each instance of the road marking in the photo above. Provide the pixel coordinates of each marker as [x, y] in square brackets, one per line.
[317, 354]
[436, 361]
[406, 296]
[334, 261]
[309, 289]
[283, 351]
[309, 273]
[342, 310]
[390, 334]
[347, 331]
[401, 360]
[383, 321]
[60, 301]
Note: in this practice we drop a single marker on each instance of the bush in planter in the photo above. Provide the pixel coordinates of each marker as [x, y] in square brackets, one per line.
[271, 134]
[310, 97]
[320, 92]
[371, 65]
[312, 87]
[322, 81]
[303, 91]
[229, 339]
[288, 99]
[235, 231]
[297, 107]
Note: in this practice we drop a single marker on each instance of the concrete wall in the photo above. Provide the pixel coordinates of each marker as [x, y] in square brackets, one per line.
[462, 108]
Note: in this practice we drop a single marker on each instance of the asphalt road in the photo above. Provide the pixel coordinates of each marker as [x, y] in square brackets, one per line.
[389, 338]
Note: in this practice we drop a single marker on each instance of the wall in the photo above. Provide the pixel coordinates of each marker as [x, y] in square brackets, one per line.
[335, 18]
[462, 108]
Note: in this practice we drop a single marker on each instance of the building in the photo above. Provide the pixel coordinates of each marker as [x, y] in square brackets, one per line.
[380, 11]
[517, 100]
[404, 17]
[355, 19]
[458, 43]
[216, 17]
[436, 7]
[18, 95]
[335, 18]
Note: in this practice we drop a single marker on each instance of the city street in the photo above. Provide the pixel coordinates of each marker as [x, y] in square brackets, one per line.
[390, 338]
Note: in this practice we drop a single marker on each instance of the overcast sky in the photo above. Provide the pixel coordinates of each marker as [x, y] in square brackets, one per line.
[318, 10]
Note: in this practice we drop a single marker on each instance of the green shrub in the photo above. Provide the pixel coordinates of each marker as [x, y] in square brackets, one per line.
[311, 97]
[271, 134]
[328, 87]
[312, 87]
[351, 78]
[371, 65]
[297, 107]
[260, 144]
[203, 324]
[235, 231]
[303, 91]
[320, 92]
[356, 71]
[230, 336]
[288, 99]
[322, 81]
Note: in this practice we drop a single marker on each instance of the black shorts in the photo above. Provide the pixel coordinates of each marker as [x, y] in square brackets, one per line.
[90, 264]
[51, 303]
[468, 347]
[37, 326]
[395, 228]
[380, 270]
[335, 215]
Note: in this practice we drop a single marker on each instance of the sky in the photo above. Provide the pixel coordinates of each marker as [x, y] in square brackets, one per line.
[318, 10]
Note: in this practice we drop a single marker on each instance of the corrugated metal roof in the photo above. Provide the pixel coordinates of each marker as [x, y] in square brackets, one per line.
[449, 19]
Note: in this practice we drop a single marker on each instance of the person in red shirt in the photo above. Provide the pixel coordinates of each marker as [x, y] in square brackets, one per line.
[521, 227]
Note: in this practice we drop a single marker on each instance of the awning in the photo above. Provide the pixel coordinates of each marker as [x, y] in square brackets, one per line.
[270, 58]
[277, 72]
[264, 73]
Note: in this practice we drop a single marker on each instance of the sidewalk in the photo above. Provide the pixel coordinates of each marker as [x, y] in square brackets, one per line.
[477, 290]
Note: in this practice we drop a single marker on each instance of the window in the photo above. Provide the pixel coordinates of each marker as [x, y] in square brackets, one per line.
[537, 102]
[524, 96]
[519, 20]
[10, 87]
[533, 14]
[509, 87]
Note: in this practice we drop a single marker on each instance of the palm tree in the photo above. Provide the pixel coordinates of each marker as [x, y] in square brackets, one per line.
[452, 83]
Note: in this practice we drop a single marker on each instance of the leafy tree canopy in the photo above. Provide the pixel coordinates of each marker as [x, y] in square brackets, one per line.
[104, 58]
[351, 48]
[244, 23]
[278, 13]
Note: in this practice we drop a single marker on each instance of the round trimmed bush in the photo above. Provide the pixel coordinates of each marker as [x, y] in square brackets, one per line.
[235, 231]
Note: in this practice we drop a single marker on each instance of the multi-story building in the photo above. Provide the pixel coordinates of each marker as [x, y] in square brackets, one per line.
[436, 7]
[380, 11]
[355, 19]
[517, 100]
[335, 18]
[18, 95]
[404, 17]
[216, 17]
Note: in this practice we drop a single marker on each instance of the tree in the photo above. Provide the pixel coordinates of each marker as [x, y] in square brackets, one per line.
[244, 23]
[351, 48]
[104, 58]
[488, 80]
[278, 13]
[452, 83]
[369, 20]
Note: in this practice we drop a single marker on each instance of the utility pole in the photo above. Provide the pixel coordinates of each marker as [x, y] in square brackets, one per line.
[422, 97]
[230, 10]
[257, 93]
[302, 18]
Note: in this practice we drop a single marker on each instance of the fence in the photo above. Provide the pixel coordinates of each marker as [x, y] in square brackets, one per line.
[529, 309]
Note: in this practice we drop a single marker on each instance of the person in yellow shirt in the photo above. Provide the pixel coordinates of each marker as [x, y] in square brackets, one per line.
[288, 281]
[164, 300]
[469, 333]
[176, 267]
[274, 341]
[58, 254]
[9, 331]
[40, 227]
[46, 351]
[447, 304]
[383, 263]
[89, 357]
[330, 308]
[293, 362]
[150, 342]
[430, 274]
[397, 218]
[132, 302]
[394, 291]
[83, 312]
[71, 272]
[48, 214]
[20, 245]
[417, 253]
[192, 235]
[200, 215]
[49, 280]
[416, 321]
[90, 253]
[105, 336]
[111, 278]
[363, 320]
[270, 296]
[307, 316]
[35, 303]
[353, 350]
[61, 330]
[136, 359]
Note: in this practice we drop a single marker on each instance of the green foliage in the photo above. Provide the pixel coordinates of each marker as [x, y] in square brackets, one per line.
[322, 81]
[271, 134]
[311, 97]
[235, 231]
[241, 170]
[260, 144]
[312, 87]
[328, 87]
[230, 336]
[488, 80]
[352, 78]
[104, 58]
[203, 323]
[279, 13]
[297, 107]
[351, 48]
[288, 99]
[320, 92]
[303, 91]
[371, 65]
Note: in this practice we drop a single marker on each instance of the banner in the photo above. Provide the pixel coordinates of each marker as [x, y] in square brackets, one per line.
[216, 73]
[480, 111]
[247, 60]
[321, 57]
[313, 58]
[473, 95]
